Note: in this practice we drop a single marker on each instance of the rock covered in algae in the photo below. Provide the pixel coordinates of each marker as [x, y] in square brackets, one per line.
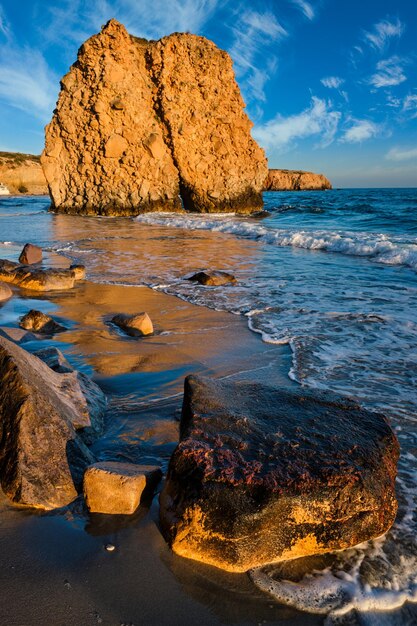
[139, 123]
[264, 474]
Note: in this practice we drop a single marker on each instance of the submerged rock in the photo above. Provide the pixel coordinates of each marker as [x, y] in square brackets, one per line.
[42, 457]
[5, 292]
[263, 474]
[40, 323]
[213, 278]
[140, 123]
[295, 180]
[138, 325]
[30, 254]
[116, 488]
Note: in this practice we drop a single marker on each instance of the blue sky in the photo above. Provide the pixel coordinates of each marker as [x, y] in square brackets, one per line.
[331, 85]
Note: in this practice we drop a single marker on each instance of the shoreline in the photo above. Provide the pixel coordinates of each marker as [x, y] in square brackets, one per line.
[55, 566]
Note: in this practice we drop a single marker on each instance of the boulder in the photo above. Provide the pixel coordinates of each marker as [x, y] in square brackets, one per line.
[5, 292]
[138, 325]
[140, 123]
[264, 474]
[213, 278]
[40, 323]
[42, 457]
[30, 254]
[37, 279]
[116, 488]
[295, 180]
[18, 335]
[79, 271]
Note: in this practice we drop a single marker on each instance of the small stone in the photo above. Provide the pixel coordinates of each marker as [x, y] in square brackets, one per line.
[30, 254]
[5, 292]
[135, 325]
[79, 271]
[38, 322]
[110, 547]
[116, 488]
[213, 278]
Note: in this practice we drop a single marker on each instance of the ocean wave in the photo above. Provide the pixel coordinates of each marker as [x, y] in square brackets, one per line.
[375, 246]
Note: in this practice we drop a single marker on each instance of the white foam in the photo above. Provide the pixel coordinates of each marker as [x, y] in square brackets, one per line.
[376, 246]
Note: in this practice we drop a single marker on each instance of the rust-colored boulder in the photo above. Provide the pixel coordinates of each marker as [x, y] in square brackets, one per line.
[264, 474]
[116, 488]
[39, 322]
[37, 279]
[42, 457]
[140, 123]
[138, 325]
[30, 254]
[295, 180]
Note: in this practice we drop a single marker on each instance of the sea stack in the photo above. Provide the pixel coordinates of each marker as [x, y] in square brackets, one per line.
[151, 125]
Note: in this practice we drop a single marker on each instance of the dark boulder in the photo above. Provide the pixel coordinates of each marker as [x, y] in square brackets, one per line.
[264, 474]
[213, 278]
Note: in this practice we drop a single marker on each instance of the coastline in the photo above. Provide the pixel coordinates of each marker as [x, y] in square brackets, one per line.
[55, 568]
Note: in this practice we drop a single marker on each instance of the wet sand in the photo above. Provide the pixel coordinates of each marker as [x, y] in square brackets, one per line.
[54, 566]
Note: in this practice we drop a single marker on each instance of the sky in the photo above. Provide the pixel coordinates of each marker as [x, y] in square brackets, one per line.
[331, 85]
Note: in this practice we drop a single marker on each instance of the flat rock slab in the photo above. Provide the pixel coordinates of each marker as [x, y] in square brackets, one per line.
[42, 457]
[264, 474]
[138, 325]
[116, 488]
[37, 279]
[30, 254]
[213, 278]
[38, 322]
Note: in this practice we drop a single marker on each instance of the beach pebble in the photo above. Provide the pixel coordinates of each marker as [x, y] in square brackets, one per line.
[110, 547]
[30, 254]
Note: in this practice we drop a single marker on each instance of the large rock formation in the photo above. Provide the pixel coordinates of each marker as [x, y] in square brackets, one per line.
[295, 180]
[264, 474]
[139, 122]
[22, 173]
[42, 456]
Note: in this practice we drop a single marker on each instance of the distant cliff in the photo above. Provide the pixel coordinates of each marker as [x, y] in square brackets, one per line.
[22, 173]
[295, 180]
[140, 124]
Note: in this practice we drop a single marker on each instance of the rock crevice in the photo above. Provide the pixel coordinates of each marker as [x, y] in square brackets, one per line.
[151, 125]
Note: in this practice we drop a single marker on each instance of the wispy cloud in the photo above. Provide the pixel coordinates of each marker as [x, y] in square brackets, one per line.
[4, 24]
[401, 154]
[252, 34]
[305, 7]
[382, 32]
[319, 119]
[26, 81]
[360, 130]
[410, 105]
[389, 72]
[332, 82]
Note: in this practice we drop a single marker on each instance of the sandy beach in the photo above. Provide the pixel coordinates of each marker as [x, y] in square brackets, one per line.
[55, 566]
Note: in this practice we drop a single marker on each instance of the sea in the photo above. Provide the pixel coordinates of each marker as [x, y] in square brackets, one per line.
[332, 275]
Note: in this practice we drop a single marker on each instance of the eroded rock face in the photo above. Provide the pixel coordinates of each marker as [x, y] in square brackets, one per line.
[42, 457]
[263, 474]
[295, 180]
[139, 122]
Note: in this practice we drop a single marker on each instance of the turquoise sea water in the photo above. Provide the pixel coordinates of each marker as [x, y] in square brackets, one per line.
[332, 274]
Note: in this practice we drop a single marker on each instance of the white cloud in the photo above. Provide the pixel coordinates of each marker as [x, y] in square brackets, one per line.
[389, 72]
[382, 32]
[281, 132]
[252, 34]
[401, 154]
[332, 82]
[305, 7]
[359, 131]
[410, 105]
[4, 24]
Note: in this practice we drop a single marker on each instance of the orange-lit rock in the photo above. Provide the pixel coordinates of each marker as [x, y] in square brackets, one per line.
[295, 180]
